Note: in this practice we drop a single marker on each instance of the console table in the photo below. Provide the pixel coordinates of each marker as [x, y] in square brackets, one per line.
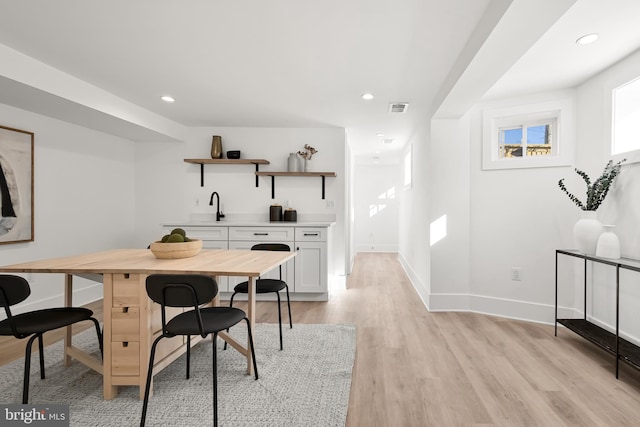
[611, 342]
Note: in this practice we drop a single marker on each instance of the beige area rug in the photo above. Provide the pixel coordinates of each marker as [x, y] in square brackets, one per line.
[306, 384]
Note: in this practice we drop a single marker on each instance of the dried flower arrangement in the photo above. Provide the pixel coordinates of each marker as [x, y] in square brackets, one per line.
[310, 151]
[598, 191]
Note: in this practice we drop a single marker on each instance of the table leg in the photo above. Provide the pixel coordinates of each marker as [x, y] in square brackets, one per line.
[68, 302]
[251, 315]
[109, 390]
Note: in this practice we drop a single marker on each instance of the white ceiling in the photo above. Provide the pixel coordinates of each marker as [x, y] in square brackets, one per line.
[299, 63]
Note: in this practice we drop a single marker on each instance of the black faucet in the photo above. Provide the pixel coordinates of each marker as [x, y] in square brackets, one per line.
[218, 213]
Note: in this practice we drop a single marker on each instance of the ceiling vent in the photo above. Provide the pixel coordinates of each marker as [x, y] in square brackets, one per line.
[398, 107]
[387, 141]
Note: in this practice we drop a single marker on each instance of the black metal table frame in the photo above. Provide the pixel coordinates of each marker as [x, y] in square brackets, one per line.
[621, 263]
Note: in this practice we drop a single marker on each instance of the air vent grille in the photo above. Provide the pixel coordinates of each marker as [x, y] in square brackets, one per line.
[388, 141]
[398, 107]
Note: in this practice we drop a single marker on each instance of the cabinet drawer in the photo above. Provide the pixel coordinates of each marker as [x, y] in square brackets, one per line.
[125, 324]
[203, 233]
[125, 358]
[126, 290]
[311, 234]
[262, 234]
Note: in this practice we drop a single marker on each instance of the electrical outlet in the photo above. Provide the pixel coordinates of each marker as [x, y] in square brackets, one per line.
[330, 204]
[516, 274]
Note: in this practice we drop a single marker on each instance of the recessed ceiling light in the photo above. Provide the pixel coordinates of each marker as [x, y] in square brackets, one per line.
[587, 39]
[168, 98]
[367, 96]
[379, 135]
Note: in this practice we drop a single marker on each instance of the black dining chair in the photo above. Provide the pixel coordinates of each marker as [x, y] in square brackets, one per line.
[33, 324]
[265, 286]
[192, 290]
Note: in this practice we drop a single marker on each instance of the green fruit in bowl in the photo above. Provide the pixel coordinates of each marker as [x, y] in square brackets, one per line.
[165, 237]
[175, 237]
[179, 231]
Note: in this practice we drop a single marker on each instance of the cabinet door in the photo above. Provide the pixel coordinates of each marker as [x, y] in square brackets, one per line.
[287, 269]
[311, 267]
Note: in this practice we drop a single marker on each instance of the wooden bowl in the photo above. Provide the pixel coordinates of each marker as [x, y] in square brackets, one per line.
[176, 250]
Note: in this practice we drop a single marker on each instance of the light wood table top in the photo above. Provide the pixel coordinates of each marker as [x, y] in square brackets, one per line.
[216, 262]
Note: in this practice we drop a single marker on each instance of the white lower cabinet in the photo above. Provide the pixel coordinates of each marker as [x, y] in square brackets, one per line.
[311, 260]
[306, 274]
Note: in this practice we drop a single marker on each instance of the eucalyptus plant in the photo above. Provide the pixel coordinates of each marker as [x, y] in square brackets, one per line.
[597, 191]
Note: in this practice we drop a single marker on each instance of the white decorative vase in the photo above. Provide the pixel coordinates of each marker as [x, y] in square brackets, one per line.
[608, 243]
[586, 232]
[293, 165]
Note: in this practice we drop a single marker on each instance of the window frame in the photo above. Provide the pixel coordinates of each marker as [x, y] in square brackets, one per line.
[558, 112]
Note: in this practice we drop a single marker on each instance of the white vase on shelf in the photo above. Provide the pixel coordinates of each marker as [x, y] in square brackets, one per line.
[586, 232]
[608, 243]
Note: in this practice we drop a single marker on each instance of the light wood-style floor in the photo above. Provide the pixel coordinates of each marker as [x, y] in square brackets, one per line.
[414, 368]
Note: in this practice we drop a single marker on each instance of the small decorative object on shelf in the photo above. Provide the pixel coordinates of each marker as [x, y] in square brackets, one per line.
[587, 230]
[234, 154]
[293, 165]
[275, 213]
[290, 215]
[216, 147]
[608, 244]
[306, 156]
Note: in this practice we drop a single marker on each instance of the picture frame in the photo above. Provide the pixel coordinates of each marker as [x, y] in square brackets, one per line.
[16, 185]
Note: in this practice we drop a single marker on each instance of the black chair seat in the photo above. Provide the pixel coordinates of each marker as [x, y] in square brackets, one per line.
[41, 321]
[214, 319]
[263, 286]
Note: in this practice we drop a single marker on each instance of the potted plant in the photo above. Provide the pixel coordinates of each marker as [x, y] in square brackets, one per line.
[306, 155]
[588, 229]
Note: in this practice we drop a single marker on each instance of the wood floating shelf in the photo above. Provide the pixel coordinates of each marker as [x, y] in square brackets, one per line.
[273, 175]
[203, 162]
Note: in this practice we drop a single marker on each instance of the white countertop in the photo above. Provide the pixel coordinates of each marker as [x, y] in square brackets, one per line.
[224, 223]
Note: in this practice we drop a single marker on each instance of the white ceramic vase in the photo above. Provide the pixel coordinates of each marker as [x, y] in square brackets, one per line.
[586, 232]
[293, 165]
[608, 243]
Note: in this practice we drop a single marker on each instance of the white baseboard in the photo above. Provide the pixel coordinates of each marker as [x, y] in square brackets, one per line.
[377, 248]
[421, 289]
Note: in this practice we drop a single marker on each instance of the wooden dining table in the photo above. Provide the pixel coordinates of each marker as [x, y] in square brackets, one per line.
[131, 319]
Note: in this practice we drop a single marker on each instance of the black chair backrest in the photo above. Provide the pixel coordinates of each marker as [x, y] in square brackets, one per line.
[181, 290]
[13, 290]
[271, 247]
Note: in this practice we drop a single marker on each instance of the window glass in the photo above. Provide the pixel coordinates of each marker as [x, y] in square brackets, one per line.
[626, 118]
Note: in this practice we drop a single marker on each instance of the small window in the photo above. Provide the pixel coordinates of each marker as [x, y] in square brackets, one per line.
[527, 136]
[626, 118]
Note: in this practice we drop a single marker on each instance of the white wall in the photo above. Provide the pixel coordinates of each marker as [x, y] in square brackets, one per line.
[622, 206]
[168, 189]
[376, 207]
[450, 197]
[414, 254]
[518, 218]
[83, 197]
